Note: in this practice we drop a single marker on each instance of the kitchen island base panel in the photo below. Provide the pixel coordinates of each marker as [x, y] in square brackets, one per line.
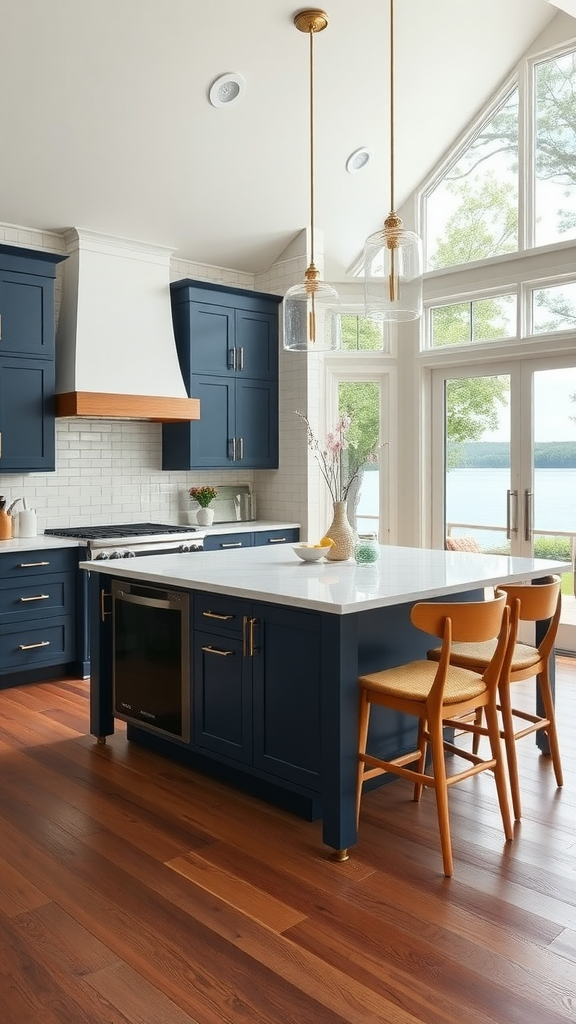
[303, 805]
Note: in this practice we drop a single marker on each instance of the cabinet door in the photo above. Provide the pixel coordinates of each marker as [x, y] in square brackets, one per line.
[211, 338]
[208, 442]
[256, 424]
[27, 312]
[222, 696]
[256, 341]
[286, 683]
[26, 415]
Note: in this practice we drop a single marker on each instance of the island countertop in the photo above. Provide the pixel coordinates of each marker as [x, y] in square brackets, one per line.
[276, 575]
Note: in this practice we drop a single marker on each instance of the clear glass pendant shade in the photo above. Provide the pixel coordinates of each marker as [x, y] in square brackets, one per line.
[311, 316]
[393, 273]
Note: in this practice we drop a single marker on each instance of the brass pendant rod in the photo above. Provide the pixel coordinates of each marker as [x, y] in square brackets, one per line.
[392, 183]
[312, 224]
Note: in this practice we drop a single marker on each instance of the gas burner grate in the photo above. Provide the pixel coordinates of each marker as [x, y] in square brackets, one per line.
[117, 530]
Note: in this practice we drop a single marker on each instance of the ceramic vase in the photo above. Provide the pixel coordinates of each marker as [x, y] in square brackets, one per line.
[341, 533]
[205, 516]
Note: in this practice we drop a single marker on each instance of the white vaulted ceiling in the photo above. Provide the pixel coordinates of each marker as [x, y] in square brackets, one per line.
[105, 122]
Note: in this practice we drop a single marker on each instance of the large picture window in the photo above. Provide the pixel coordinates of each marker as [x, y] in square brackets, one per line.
[512, 185]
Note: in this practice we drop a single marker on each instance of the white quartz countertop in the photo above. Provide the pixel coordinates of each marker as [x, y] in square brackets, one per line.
[276, 575]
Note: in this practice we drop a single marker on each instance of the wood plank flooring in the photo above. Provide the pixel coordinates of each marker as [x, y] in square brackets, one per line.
[134, 890]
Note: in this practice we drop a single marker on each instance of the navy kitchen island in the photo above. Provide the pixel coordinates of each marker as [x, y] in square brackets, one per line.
[274, 647]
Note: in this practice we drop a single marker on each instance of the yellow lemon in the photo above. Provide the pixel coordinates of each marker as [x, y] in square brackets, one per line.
[326, 542]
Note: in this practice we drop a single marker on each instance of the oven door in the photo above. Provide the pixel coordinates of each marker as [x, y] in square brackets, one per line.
[151, 658]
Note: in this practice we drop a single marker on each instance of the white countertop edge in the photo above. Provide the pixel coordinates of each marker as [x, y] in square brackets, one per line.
[469, 572]
[42, 542]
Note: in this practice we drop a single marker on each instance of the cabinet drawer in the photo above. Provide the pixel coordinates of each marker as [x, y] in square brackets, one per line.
[228, 541]
[219, 614]
[36, 597]
[21, 564]
[262, 537]
[45, 642]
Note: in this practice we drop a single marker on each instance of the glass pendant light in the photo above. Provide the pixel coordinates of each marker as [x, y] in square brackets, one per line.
[311, 310]
[393, 256]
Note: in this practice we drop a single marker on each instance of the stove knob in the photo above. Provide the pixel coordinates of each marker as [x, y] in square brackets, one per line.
[116, 553]
[102, 556]
[129, 554]
[185, 547]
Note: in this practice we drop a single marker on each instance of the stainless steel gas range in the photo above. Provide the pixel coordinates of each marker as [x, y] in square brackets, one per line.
[131, 540]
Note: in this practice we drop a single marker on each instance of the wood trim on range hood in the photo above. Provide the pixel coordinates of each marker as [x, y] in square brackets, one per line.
[137, 407]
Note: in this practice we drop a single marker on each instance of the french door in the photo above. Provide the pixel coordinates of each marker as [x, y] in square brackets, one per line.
[504, 462]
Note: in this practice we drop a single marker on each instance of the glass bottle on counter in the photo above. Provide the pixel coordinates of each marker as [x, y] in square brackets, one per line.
[366, 549]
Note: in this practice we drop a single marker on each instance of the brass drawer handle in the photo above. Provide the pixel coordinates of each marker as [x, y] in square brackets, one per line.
[215, 615]
[31, 565]
[30, 647]
[216, 650]
[37, 597]
[276, 540]
[237, 544]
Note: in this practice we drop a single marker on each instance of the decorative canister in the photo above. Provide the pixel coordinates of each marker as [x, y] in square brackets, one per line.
[366, 548]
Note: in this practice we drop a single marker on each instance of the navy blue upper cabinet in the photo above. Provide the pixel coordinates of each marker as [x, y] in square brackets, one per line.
[27, 333]
[227, 342]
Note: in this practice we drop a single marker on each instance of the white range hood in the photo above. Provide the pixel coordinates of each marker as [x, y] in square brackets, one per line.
[115, 350]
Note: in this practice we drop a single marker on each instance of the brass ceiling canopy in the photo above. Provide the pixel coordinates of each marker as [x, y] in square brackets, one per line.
[311, 20]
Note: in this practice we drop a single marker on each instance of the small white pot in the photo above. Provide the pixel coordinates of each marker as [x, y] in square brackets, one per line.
[205, 516]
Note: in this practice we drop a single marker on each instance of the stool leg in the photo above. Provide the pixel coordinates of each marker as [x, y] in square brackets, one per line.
[363, 723]
[499, 773]
[421, 763]
[543, 681]
[510, 744]
[441, 790]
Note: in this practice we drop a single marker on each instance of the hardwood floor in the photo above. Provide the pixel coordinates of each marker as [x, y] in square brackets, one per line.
[133, 890]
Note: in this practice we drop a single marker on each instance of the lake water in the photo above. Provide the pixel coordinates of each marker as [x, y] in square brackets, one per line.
[479, 496]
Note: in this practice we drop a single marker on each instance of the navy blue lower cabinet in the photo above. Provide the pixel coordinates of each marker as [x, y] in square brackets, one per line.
[222, 716]
[286, 693]
[257, 687]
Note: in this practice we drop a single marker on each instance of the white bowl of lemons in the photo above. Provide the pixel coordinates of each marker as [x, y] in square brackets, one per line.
[313, 552]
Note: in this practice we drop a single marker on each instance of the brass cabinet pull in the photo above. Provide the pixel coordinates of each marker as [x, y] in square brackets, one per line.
[248, 648]
[31, 565]
[103, 613]
[232, 443]
[241, 448]
[236, 544]
[215, 615]
[276, 540]
[30, 647]
[37, 597]
[240, 359]
[216, 650]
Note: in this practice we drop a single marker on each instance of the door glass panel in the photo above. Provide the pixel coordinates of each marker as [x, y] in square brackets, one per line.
[477, 459]
[360, 400]
[554, 486]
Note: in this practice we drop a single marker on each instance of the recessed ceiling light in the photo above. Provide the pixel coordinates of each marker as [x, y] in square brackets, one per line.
[358, 160]
[226, 89]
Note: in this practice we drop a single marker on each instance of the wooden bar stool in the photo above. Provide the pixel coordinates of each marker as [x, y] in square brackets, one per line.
[437, 694]
[536, 602]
